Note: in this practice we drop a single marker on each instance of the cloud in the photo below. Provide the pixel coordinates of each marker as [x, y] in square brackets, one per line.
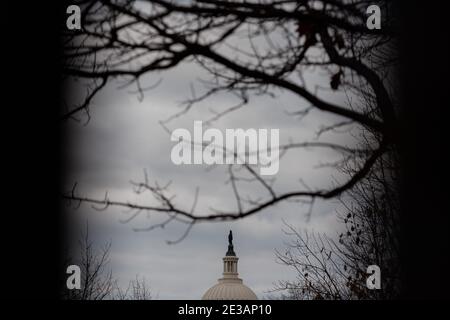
[124, 137]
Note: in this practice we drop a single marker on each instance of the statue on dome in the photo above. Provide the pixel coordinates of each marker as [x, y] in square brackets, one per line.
[230, 251]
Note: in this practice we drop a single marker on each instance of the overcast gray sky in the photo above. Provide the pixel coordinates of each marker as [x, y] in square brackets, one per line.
[124, 137]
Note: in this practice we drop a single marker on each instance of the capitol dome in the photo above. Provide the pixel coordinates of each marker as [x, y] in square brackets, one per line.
[230, 286]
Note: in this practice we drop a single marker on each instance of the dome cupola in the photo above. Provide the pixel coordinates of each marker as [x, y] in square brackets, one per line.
[230, 286]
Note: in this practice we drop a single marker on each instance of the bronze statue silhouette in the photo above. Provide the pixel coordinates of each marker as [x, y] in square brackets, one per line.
[230, 251]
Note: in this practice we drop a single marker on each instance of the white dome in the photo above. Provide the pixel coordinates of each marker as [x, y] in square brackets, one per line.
[228, 289]
[230, 286]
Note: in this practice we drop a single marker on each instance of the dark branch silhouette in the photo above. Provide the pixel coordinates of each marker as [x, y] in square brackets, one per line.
[247, 48]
